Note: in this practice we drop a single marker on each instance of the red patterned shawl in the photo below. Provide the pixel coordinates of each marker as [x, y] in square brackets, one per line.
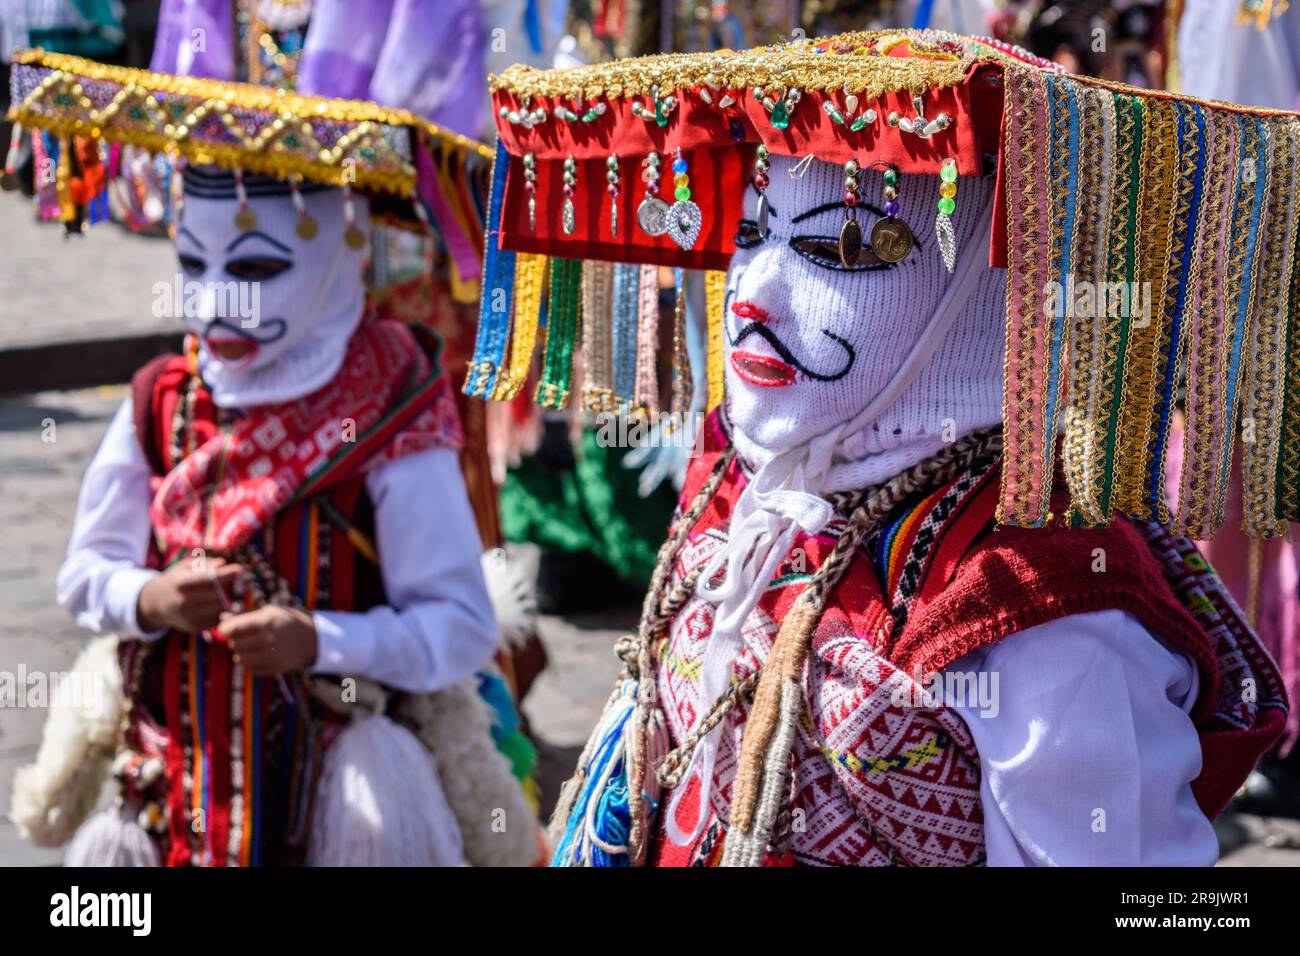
[388, 400]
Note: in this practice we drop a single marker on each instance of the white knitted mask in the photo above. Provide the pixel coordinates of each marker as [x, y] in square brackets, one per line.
[810, 343]
[281, 307]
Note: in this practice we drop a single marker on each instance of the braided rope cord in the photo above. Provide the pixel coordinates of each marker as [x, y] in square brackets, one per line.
[654, 621]
[637, 654]
[765, 759]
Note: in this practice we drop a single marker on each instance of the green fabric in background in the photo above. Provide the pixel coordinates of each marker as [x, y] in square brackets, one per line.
[103, 36]
[592, 507]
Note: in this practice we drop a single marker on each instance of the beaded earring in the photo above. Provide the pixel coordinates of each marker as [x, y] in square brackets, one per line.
[684, 218]
[760, 183]
[891, 238]
[353, 235]
[305, 227]
[245, 218]
[850, 232]
[176, 195]
[570, 186]
[530, 187]
[652, 214]
[943, 220]
[611, 166]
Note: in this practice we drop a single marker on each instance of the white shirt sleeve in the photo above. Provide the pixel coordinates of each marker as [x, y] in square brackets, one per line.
[438, 627]
[1087, 752]
[101, 577]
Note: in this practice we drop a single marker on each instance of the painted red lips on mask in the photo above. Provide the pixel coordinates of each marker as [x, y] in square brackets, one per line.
[766, 371]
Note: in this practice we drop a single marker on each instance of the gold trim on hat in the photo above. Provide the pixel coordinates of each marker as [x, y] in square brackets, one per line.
[272, 130]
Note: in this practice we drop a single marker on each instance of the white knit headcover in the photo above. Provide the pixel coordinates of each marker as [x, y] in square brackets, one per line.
[320, 300]
[926, 369]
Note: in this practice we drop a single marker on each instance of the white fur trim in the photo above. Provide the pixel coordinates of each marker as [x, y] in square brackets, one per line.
[496, 822]
[52, 796]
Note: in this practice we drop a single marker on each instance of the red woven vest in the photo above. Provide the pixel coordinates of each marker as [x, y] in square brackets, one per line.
[875, 784]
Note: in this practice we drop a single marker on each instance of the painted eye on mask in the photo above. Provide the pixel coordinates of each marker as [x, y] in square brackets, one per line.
[824, 251]
[257, 268]
[747, 234]
[192, 266]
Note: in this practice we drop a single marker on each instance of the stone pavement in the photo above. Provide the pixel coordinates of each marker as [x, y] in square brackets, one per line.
[94, 286]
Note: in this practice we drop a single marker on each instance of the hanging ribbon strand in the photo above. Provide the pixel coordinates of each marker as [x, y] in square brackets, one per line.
[564, 298]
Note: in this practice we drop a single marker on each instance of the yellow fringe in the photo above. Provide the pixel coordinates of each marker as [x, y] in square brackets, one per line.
[715, 292]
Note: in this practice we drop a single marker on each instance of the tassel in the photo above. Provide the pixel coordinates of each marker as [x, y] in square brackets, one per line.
[748, 848]
[683, 382]
[112, 838]
[597, 337]
[9, 180]
[627, 291]
[380, 803]
[646, 397]
[44, 173]
[597, 831]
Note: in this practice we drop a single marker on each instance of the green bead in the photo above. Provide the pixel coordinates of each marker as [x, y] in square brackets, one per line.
[891, 177]
[948, 172]
[837, 116]
[683, 193]
[661, 115]
[858, 123]
[946, 206]
[780, 116]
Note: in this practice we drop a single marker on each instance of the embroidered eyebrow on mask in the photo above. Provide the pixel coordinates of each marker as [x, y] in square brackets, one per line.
[261, 235]
[833, 206]
[192, 238]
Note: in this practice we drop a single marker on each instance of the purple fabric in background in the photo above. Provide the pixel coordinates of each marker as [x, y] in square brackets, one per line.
[458, 244]
[426, 56]
[195, 38]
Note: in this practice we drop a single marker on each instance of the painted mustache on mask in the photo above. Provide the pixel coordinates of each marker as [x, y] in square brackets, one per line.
[271, 330]
[758, 326]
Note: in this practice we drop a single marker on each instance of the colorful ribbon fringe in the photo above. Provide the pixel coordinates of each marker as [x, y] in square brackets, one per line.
[715, 291]
[597, 340]
[1152, 238]
[530, 273]
[563, 304]
[498, 284]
